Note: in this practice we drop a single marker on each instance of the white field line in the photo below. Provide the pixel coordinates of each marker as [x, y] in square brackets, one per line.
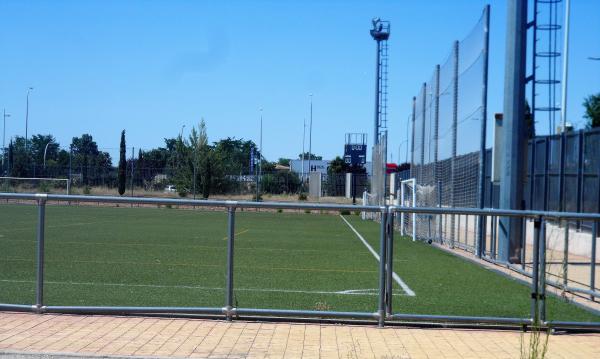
[396, 277]
[370, 292]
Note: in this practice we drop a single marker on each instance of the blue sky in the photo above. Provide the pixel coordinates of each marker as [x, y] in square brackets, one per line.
[150, 67]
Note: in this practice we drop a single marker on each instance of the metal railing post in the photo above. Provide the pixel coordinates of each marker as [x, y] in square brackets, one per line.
[382, 271]
[542, 272]
[565, 268]
[535, 275]
[593, 259]
[389, 261]
[39, 293]
[230, 249]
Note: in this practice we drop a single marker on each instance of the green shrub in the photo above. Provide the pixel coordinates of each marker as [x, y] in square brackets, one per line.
[302, 196]
[345, 212]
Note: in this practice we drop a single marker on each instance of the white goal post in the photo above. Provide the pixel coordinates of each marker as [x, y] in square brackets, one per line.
[33, 182]
[408, 198]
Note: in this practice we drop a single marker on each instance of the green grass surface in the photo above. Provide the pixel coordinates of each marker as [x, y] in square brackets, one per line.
[168, 257]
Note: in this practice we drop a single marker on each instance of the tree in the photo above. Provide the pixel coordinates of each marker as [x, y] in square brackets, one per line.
[204, 159]
[11, 156]
[122, 165]
[21, 158]
[592, 110]
[88, 158]
[529, 123]
[338, 165]
[284, 161]
[37, 145]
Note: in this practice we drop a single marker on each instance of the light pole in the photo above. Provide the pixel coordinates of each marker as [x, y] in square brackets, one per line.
[27, 117]
[310, 136]
[46, 150]
[563, 108]
[4, 137]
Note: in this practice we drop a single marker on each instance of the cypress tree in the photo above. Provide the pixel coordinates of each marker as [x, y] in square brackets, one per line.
[122, 165]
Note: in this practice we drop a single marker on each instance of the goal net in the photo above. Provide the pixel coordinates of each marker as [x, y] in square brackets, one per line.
[34, 185]
[408, 198]
[418, 226]
[369, 199]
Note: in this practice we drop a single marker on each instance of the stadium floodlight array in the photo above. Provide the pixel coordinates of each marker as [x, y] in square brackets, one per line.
[35, 185]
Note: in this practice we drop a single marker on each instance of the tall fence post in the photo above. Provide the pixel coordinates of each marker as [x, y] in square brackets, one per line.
[382, 267]
[454, 138]
[483, 137]
[439, 199]
[580, 160]
[230, 247]
[423, 119]
[535, 274]
[436, 131]
[561, 172]
[413, 173]
[39, 293]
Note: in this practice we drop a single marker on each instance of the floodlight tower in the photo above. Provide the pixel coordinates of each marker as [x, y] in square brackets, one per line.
[380, 33]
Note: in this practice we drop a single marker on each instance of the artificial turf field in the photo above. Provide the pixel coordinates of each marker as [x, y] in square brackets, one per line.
[170, 257]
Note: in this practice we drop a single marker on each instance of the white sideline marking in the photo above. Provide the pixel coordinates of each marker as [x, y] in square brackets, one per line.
[370, 292]
[396, 277]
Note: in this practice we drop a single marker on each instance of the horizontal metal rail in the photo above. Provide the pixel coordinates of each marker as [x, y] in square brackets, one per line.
[190, 202]
[17, 307]
[314, 206]
[459, 319]
[229, 311]
[131, 310]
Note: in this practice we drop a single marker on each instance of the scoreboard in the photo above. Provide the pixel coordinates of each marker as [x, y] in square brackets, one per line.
[355, 154]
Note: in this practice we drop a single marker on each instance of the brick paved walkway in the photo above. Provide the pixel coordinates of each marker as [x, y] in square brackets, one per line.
[163, 337]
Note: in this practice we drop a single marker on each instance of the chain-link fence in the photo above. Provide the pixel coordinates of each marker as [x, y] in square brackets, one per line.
[450, 136]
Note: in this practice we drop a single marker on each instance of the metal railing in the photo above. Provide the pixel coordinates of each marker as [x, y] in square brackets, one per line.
[386, 252]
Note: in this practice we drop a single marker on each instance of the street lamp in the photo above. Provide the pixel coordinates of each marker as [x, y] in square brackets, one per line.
[45, 151]
[4, 136]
